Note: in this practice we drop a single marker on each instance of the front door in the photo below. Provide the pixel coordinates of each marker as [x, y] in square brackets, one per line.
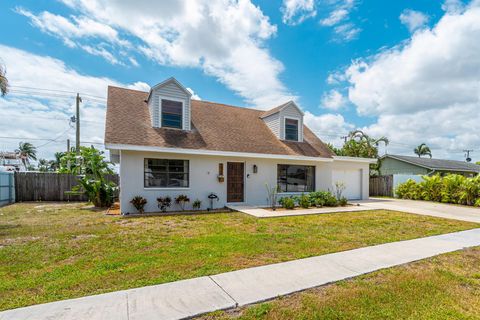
[235, 181]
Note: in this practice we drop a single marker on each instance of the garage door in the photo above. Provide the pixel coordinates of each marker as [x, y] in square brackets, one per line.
[352, 180]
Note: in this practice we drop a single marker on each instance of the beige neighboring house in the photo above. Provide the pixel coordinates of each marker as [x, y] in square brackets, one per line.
[169, 144]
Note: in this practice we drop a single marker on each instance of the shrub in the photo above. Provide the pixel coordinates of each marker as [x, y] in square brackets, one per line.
[182, 200]
[431, 188]
[323, 198]
[469, 191]
[197, 204]
[164, 203]
[343, 201]
[304, 201]
[451, 188]
[287, 202]
[408, 190]
[139, 203]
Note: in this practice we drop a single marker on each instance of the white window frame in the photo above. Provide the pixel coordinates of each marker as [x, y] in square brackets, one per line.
[299, 133]
[160, 98]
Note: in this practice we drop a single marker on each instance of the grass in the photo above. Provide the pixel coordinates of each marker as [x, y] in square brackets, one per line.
[443, 287]
[50, 252]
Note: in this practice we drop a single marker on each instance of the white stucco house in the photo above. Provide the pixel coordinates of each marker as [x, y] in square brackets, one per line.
[169, 144]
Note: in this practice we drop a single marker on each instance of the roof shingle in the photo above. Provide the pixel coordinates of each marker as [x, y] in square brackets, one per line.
[214, 127]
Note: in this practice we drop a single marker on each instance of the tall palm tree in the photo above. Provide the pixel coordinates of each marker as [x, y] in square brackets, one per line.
[27, 152]
[3, 81]
[423, 150]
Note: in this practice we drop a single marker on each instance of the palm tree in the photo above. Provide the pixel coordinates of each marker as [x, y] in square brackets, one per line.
[43, 165]
[27, 152]
[362, 136]
[3, 81]
[423, 150]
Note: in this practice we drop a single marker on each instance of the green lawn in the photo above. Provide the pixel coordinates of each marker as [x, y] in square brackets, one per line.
[51, 252]
[443, 287]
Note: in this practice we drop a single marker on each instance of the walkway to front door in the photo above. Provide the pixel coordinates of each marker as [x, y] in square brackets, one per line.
[235, 181]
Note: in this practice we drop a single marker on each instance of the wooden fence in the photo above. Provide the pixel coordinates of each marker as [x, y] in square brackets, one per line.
[381, 186]
[48, 186]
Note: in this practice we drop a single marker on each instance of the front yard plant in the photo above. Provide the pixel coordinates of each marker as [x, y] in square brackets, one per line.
[164, 203]
[452, 188]
[313, 199]
[139, 203]
[181, 200]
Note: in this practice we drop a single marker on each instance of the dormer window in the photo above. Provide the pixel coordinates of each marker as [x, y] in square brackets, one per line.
[291, 129]
[172, 114]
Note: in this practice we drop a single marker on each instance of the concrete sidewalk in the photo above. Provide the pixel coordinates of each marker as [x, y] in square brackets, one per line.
[188, 298]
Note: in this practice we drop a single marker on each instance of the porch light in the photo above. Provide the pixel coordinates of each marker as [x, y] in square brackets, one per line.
[255, 168]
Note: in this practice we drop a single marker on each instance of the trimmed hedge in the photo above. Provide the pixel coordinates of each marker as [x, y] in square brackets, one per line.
[452, 188]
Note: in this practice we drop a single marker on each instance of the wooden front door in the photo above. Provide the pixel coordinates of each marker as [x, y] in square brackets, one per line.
[235, 181]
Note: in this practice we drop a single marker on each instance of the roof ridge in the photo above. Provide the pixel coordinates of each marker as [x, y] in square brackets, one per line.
[123, 88]
[228, 105]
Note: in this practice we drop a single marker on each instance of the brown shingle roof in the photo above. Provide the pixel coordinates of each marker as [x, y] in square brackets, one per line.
[214, 127]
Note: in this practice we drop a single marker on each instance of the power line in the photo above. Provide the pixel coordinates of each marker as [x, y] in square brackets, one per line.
[56, 90]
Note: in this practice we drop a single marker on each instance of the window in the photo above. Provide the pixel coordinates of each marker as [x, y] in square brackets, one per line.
[172, 114]
[291, 129]
[295, 178]
[166, 173]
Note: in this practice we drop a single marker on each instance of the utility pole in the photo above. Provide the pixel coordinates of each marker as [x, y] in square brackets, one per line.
[68, 145]
[467, 155]
[68, 155]
[77, 122]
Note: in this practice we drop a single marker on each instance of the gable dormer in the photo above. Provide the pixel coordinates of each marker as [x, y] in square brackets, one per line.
[169, 105]
[285, 121]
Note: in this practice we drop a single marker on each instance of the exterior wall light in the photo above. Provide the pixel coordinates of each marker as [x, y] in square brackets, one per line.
[255, 168]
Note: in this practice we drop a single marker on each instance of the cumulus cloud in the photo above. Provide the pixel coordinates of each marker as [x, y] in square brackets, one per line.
[333, 100]
[44, 114]
[338, 18]
[296, 11]
[225, 39]
[329, 127]
[427, 88]
[413, 19]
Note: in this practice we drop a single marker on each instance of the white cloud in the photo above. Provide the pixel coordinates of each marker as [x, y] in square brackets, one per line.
[224, 38]
[346, 32]
[296, 11]
[333, 100]
[453, 6]
[426, 89]
[339, 18]
[329, 127]
[26, 114]
[194, 95]
[413, 19]
[335, 17]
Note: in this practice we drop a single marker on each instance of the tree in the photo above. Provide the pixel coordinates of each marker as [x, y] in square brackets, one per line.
[91, 168]
[3, 81]
[422, 150]
[27, 152]
[43, 165]
[359, 144]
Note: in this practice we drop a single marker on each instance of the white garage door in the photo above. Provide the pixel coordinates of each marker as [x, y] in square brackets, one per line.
[352, 180]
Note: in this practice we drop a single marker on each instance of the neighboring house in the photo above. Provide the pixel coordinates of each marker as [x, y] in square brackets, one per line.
[169, 144]
[10, 161]
[396, 164]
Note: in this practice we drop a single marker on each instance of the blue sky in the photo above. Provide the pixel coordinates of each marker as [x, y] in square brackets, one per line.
[348, 63]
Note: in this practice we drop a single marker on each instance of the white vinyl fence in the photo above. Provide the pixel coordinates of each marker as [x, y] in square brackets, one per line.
[7, 188]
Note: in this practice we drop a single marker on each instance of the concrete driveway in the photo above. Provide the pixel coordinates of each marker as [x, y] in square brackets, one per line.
[447, 211]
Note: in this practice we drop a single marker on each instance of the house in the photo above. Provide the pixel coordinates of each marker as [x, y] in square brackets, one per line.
[397, 164]
[10, 161]
[169, 144]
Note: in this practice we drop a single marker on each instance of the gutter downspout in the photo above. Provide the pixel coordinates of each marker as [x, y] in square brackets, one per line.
[431, 172]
